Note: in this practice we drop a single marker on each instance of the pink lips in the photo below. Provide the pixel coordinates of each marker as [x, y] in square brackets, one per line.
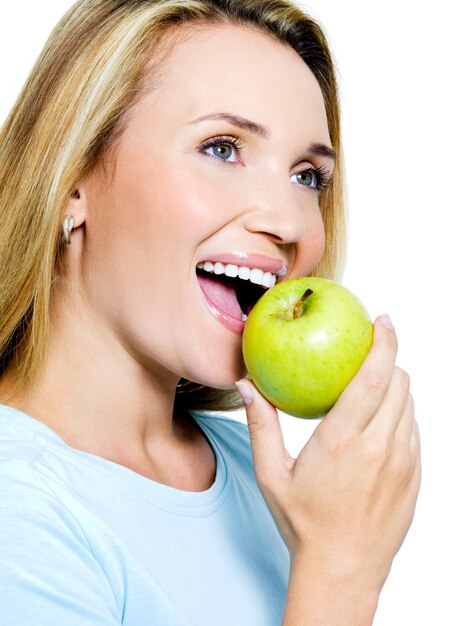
[253, 261]
[267, 264]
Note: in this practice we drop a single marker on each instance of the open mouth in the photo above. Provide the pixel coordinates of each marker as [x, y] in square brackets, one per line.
[232, 290]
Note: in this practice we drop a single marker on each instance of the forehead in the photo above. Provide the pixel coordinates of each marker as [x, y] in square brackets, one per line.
[203, 68]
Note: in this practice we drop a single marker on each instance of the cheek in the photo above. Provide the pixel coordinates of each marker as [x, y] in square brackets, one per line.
[145, 231]
[157, 215]
[310, 250]
[187, 204]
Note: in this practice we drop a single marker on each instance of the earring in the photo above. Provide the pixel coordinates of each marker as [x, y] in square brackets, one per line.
[67, 227]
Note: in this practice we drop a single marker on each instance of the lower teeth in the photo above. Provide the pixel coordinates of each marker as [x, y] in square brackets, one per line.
[244, 317]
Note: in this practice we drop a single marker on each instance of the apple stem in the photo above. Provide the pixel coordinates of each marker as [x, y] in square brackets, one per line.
[298, 307]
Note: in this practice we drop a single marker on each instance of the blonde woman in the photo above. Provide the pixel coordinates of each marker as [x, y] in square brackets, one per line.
[162, 156]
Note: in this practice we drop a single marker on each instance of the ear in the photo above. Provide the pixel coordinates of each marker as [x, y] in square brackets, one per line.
[77, 206]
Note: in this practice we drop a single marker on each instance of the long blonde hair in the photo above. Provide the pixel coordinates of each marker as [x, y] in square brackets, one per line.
[69, 114]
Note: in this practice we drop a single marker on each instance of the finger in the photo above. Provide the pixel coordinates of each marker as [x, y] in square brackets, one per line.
[416, 442]
[363, 396]
[406, 425]
[416, 454]
[267, 442]
[391, 412]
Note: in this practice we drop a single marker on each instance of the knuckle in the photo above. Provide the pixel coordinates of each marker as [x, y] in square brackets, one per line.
[415, 435]
[417, 475]
[377, 450]
[375, 381]
[340, 446]
[336, 442]
[402, 464]
[401, 378]
[254, 427]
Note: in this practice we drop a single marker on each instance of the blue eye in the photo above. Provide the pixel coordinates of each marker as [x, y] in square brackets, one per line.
[316, 178]
[221, 150]
[308, 178]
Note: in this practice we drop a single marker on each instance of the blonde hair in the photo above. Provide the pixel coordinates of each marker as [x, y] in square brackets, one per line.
[69, 115]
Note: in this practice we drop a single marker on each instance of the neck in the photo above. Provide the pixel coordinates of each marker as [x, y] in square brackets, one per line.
[97, 396]
[105, 404]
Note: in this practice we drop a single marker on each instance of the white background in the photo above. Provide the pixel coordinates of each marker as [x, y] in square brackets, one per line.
[403, 69]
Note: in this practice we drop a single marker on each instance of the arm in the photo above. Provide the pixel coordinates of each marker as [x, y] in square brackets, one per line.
[344, 506]
[320, 597]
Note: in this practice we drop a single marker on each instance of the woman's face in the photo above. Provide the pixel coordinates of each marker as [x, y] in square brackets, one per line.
[214, 165]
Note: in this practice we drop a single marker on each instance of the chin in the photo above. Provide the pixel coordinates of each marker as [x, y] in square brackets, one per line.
[225, 382]
[221, 377]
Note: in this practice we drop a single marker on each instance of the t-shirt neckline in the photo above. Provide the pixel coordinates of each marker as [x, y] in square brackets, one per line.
[161, 495]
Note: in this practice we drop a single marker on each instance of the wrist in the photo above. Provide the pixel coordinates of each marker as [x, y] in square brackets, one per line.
[340, 568]
[323, 593]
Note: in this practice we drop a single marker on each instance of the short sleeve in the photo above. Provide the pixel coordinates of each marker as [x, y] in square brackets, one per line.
[48, 573]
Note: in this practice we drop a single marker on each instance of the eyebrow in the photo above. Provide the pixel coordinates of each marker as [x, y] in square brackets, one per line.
[317, 149]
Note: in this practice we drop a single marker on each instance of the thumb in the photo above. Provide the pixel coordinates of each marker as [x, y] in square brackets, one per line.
[267, 442]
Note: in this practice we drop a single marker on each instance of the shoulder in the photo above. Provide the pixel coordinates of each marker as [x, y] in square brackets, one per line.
[29, 508]
[25, 492]
[32, 515]
[21, 484]
[49, 570]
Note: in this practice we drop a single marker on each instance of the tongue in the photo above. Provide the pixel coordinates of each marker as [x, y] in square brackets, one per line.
[221, 293]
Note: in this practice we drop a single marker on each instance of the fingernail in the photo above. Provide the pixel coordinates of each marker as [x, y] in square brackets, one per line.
[386, 321]
[245, 392]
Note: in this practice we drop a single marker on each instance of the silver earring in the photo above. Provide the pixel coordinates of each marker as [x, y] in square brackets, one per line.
[67, 227]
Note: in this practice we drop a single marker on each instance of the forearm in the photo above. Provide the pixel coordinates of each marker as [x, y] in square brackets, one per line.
[316, 599]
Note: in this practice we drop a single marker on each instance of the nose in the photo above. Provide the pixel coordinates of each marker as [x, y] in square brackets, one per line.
[274, 211]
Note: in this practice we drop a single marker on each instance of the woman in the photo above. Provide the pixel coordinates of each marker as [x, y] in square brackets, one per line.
[153, 141]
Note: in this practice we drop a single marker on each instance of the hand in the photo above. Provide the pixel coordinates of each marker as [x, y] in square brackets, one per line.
[349, 498]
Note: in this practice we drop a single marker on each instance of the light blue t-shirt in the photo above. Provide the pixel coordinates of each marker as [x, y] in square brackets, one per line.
[87, 542]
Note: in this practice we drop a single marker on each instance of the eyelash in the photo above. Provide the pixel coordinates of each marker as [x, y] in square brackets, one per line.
[236, 142]
[322, 174]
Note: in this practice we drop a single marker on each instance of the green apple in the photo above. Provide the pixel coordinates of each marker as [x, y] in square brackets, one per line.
[303, 342]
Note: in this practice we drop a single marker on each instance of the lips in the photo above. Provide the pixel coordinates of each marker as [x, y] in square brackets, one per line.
[232, 284]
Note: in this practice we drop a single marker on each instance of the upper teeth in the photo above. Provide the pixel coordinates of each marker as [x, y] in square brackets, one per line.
[256, 276]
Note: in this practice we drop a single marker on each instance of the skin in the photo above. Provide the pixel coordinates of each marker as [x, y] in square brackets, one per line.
[129, 318]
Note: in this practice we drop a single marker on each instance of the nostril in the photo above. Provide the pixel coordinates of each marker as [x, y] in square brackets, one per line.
[281, 225]
[273, 236]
